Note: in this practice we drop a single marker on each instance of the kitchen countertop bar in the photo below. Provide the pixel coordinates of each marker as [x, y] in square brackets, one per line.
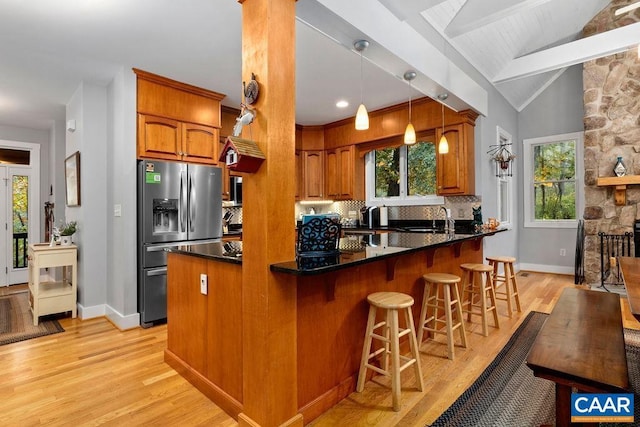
[219, 251]
[330, 308]
[354, 250]
[362, 249]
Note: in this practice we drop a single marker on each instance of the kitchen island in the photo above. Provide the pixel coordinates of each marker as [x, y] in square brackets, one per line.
[331, 309]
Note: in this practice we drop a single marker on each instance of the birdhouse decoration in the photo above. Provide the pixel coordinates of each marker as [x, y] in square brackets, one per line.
[241, 155]
[503, 158]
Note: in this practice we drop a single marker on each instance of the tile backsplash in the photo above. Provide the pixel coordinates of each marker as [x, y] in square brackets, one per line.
[460, 209]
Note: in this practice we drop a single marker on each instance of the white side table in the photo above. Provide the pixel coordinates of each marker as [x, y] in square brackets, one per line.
[53, 296]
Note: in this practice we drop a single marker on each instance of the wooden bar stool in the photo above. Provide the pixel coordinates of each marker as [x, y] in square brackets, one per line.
[392, 302]
[479, 294]
[436, 284]
[508, 279]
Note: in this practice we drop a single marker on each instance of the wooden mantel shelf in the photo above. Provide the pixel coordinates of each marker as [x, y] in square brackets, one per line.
[620, 183]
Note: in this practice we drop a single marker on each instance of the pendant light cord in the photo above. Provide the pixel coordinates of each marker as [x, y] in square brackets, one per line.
[409, 101]
[361, 96]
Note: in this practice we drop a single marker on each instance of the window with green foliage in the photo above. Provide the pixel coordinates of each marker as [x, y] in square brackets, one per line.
[404, 174]
[551, 181]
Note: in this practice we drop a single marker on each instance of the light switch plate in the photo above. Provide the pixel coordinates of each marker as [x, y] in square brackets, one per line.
[117, 210]
[203, 284]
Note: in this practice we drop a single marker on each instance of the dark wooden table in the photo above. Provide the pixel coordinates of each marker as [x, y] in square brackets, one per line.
[581, 345]
[631, 276]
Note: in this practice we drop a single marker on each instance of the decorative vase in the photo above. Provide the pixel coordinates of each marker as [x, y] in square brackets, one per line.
[65, 240]
[619, 169]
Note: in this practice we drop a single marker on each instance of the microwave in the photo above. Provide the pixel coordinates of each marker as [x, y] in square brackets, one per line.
[235, 190]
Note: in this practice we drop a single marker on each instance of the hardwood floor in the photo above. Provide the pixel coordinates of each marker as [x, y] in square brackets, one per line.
[94, 374]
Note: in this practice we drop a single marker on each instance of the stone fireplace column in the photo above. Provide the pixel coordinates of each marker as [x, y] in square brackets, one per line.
[612, 129]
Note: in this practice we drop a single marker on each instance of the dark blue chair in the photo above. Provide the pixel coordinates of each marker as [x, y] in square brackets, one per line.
[317, 243]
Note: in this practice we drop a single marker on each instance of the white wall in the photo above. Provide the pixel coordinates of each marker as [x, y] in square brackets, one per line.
[559, 109]
[88, 107]
[57, 149]
[122, 291]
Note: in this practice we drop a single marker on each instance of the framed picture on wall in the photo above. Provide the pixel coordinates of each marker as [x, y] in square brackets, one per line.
[72, 179]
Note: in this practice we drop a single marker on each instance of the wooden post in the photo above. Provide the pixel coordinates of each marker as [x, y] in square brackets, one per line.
[270, 380]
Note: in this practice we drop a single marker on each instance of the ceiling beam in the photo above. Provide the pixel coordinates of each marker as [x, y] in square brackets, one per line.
[395, 47]
[476, 14]
[576, 52]
[406, 8]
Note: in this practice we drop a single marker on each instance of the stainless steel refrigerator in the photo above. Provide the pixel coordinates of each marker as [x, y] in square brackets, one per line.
[178, 203]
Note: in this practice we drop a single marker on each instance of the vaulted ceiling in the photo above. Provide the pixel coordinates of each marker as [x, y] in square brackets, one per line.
[519, 46]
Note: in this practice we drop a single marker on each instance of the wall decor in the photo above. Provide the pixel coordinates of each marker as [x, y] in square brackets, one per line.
[72, 179]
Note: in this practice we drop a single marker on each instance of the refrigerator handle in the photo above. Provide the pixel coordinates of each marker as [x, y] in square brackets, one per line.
[183, 204]
[192, 204]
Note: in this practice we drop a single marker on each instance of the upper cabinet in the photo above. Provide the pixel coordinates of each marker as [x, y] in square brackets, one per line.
[177, 121]
[313, 174]
[456, 169]
[344, 177]
[169, 139]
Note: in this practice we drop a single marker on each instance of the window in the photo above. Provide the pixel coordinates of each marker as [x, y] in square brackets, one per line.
[404, 175]
[504, 191]
[552, 196]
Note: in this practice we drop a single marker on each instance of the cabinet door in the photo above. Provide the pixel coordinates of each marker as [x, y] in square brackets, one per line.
[200, 143]
[186, 310]
[313, 172]
[299, 176]
[340, 179]
[159, 138]
[333, 181]
[346, 163]
[456, 168]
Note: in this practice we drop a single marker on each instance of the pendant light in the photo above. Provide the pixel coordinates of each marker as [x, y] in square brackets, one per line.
[410, 132]
[362, 117]
[443, 145]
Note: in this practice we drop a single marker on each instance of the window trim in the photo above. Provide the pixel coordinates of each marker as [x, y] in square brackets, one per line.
[529, 205]
[403, 199]
[503, 137]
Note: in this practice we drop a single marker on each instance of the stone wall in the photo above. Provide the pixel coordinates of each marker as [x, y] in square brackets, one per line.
[612, 129]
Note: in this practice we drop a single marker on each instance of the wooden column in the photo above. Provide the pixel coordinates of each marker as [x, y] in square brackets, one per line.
[270, 383]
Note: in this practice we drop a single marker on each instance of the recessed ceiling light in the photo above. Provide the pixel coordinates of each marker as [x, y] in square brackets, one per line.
[342, 104]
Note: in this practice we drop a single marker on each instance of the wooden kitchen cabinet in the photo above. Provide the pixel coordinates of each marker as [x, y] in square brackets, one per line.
[344, 177]
[299, 176]
[169, 139]
[176, 121]
[456, 169]
[313, 174]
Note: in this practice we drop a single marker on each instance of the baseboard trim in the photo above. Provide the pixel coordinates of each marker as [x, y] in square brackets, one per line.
[91, 312]
[121, 321]
[218, 396]
[543, 268]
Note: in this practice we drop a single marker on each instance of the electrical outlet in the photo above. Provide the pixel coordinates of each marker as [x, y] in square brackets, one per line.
[353, 214]
[460, 213]
[203, 284]
[563, 252]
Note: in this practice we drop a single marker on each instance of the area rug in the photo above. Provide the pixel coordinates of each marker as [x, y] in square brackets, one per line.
[16, 322]
[508, 394]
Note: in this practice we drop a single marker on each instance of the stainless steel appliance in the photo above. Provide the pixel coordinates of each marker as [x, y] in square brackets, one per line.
[178, 203]
[370, 216]
[235, 188]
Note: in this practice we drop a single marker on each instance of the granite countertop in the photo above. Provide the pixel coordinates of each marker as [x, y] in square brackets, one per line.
[364, 248]
[221, 251]
[354, 250]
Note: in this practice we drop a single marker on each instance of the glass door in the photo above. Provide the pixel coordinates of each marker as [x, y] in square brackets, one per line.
[15, 196]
